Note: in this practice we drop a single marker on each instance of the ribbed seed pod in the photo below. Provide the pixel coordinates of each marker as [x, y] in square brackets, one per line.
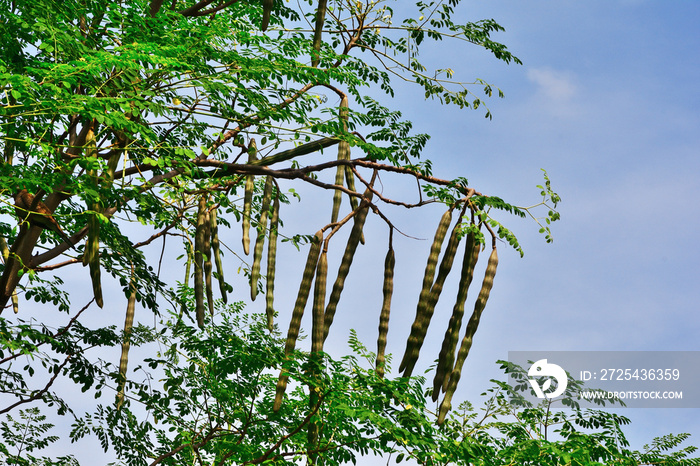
[188, 268]
[267, 11]
[337, 194]
[449, 343]
[15, 302]
[388, 290]
[343, 154]
[318, 31]
[345, 263]
[216, 250]
[5, 255]
[304, 290]
[428, 306]
[317, 329]
[207, 266]
[248, 198]
[466, 345]
[271, 263]
[199, 262]
[91, 257]
[298, 151]
[260, 239]
[350, 181]
[414, 341]
[126, 344]
[298, 312]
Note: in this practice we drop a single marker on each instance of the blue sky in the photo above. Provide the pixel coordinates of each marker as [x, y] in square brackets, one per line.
[607, 102]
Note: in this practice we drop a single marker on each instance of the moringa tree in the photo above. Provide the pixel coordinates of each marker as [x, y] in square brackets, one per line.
[185, 116]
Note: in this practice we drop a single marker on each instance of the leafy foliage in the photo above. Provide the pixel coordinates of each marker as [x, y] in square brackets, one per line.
[123, 123]
[210, 392]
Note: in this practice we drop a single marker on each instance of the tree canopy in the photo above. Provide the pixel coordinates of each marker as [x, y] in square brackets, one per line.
[185, 116]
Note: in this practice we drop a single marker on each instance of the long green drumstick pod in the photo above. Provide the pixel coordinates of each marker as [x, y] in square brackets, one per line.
[466, 345]
[199, 262]
[318, 31]
[346, 262]
[387, 290]
[298, 312]
[343, 154]
[186, 281]
[272, 263]
[267, 10]
[319, 303]
[92, 255]
[413, 344]
[427, 307]
[248, 198]
[126, 343]
[216, 250]
[449, 343]
[260, 239]
[207, 265]
[315, 359]
[5, 256]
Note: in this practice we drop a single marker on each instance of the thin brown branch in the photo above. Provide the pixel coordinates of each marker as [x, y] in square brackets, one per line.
[284, 438]
[195, 446]
[40, 258]
[41, 392]
[159, 234]
[387, 200]
[191, 11]
[54, 336]
[234, 132]
[214, 10]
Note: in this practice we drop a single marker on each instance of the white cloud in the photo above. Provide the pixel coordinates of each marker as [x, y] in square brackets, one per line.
[555, 89]
[556, 85]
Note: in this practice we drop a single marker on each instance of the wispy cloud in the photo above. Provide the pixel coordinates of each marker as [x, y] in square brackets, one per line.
[555, 89]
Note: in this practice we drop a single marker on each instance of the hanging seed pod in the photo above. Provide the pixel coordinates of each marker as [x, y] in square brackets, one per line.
[449, 343]
[112, 163]
[199, 262]
[317, 329]
[260, 239]
[186, 282]
[304, 149]
[303, 295]
[298, 312]
[345, 263]
[427, 307]
[350, 181]
[317, 337]
[15, 302]
[216, 249]
[343, 154]
[318, 31]
[207, 266]
[267, 11]
[248, 198]
[271, 263]
[5, 255]
[338, 195]
[91, 256]
[466, 345]
[414, 341]
[126, 344]
[388, 290]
